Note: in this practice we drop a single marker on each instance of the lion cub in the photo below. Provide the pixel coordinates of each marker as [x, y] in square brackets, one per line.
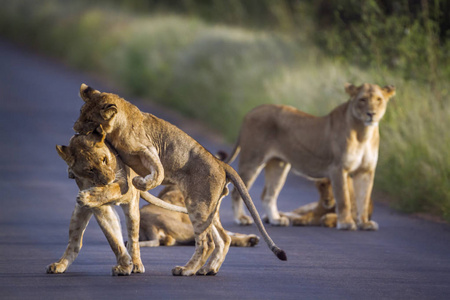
[159, 226]
[98, 172]
[161, 153]
[341, 145]
[322, 212]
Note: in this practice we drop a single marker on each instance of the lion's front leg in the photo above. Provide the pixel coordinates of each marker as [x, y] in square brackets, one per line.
[339, 182]
[132, 216]
[150, 159]
[78, 222]
[362, 185]
[98, 196]
[109, 222]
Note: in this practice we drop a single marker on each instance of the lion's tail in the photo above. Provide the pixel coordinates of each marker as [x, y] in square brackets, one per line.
[223, 156]
[239, 184]
[161, 203]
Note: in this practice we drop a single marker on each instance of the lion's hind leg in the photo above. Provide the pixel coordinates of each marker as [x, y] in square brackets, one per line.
[78, 223]
[222, 243]
[276, 172]
[251, 164]
[202, 213]
[204, 246]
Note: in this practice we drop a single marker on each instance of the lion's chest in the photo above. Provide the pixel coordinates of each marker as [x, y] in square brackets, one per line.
[359, 157]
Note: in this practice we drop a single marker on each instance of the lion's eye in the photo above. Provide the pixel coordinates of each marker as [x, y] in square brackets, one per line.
[379, 99]
[363, 99]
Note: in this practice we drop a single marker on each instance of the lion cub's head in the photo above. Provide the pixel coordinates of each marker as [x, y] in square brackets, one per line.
[326, 193]
[89, 158]
[99, 109]
[369, 101]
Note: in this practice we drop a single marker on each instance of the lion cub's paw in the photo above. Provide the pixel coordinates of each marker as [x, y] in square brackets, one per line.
[282, 221]
[346, 225]
[83, 198]
[138, 267]
[301, 221]
[207, 271]
[144, 183]
[120, 270]
[182, 271]
[329, 220]
[56, 268]
[371, 225]
[89, 197]
[252, 240]
[244, 220]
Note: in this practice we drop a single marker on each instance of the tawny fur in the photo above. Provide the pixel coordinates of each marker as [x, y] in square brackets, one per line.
[322, 212]
[163, 154]
[341, 145]
[103, 180]
[160, 227]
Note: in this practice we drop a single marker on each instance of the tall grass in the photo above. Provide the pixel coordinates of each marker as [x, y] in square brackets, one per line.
[218, 73]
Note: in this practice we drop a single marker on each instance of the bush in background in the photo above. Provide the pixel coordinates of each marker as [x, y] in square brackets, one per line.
[217, 73]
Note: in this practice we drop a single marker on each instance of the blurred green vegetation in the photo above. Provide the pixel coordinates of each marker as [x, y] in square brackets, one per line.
[215, 60]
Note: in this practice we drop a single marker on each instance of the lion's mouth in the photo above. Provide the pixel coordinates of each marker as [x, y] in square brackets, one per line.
[370, 122]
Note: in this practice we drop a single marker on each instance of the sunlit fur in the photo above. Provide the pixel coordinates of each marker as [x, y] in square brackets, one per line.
[103, 180]
[337, 146]
[167, 228]
[161, 153]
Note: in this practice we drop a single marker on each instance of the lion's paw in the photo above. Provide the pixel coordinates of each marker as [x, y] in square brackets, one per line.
[138, 267]
[244, 220]
[144, 183]
[252, 240]
[300, 221]
[369, 226]
[282, 221]
[90, 197]
[120, 270]
[83, 198]
[206, 271]
[56, 268]
[182, 271]
[346, 225]
[329, 220]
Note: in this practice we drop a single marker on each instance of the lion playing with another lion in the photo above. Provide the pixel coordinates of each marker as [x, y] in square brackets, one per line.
[104, 180]
[161, 153]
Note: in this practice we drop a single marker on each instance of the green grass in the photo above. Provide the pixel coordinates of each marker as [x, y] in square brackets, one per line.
[217, 73]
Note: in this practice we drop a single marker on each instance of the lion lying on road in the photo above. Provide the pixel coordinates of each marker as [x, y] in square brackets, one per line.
[337, 146]
[322, 212]
[98, 171]
[163, 154]
[159, 226]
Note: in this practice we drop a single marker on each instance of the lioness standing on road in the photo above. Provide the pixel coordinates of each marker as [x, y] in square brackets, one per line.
[161, 153]
[337, 146]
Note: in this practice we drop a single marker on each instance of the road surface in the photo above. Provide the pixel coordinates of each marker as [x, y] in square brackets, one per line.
[408, 258]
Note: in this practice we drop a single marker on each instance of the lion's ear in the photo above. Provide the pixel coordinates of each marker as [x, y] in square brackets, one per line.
[100, 132]
[64, 152]
[351, 89]
[108, 111]
[389, 91]
[86, 92]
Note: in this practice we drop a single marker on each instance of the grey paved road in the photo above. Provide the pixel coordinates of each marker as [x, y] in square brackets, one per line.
[407, 258]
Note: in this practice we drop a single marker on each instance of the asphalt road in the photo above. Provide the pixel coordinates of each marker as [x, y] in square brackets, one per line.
[408, 258]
